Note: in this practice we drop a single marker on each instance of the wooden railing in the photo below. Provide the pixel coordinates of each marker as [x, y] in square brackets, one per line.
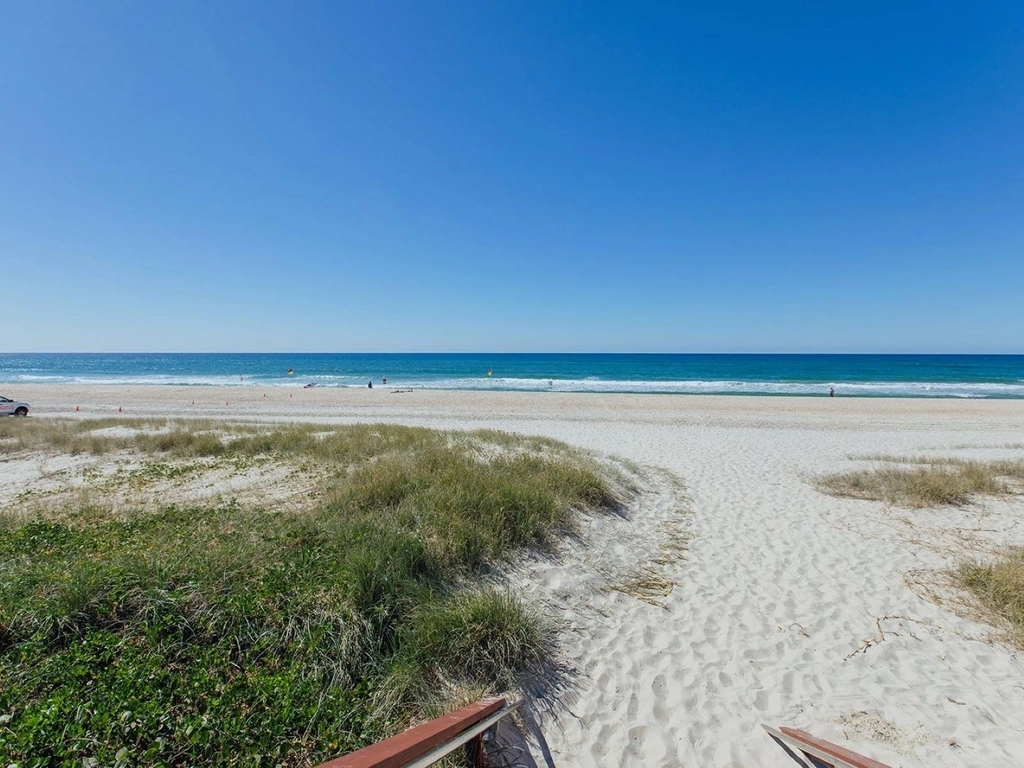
[809, 750]
[425, 744]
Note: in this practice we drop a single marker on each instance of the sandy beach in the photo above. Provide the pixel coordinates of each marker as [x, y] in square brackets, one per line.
[789, 607]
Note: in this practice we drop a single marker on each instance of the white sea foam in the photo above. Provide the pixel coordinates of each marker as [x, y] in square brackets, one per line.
[705, 387]
[589, 384]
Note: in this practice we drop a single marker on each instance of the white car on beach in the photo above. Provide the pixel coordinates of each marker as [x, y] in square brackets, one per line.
[10, 407]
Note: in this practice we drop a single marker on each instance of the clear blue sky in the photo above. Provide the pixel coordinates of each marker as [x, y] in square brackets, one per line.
[521, 176]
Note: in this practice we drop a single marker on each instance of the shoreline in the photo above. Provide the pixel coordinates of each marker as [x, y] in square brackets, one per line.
[861, 375]
[860, 390]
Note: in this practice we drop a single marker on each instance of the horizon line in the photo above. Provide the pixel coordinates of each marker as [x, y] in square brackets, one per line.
[494, 352]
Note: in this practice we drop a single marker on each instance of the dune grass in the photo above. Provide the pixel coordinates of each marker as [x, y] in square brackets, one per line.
[238, 636]
[999, 588]
[926, 482]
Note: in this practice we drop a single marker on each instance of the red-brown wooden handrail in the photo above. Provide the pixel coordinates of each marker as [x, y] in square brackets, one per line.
[820, 749]
[417, 741]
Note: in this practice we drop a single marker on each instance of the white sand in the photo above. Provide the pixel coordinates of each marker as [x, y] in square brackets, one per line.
[790, 607]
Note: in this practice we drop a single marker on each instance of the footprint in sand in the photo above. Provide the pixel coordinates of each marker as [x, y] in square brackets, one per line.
[660, 711]
[761, 701]
[633, 708]
[637, 735]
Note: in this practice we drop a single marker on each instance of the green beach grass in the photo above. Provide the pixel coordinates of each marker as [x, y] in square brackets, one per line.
[230, 635]
[925, 481]
[999, 589]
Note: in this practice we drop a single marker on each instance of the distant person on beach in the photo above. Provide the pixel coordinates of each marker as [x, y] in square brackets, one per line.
[831, 391]
[369, 385]
[384, 380]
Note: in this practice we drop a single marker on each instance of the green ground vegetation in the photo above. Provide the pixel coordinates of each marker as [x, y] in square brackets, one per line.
[926, 482]
[999, 588]
[921, 481]
[240, 636]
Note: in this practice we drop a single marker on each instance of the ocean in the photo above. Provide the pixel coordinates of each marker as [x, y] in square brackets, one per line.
[962, 376]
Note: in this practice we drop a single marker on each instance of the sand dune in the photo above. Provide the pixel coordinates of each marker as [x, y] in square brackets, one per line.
[789, 607]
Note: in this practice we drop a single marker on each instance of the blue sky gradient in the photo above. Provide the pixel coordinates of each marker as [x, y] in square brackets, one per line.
[515, 176]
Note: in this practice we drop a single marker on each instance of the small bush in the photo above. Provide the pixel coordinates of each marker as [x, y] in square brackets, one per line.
[483, 637]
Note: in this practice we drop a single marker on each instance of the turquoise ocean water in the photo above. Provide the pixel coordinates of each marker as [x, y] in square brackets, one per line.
[964, 376]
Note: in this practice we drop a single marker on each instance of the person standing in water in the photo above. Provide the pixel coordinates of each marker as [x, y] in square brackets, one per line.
[831, 391]
[384, 380]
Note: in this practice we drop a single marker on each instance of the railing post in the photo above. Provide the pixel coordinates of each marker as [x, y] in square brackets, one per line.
[475, 751]
[427, 743]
